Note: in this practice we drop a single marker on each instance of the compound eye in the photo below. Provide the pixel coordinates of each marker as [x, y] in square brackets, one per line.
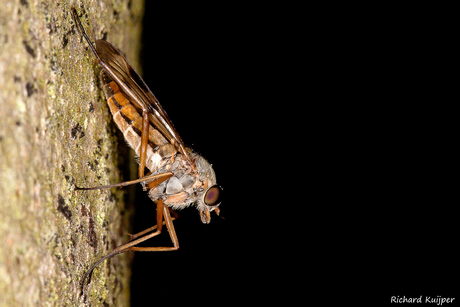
[213, 196]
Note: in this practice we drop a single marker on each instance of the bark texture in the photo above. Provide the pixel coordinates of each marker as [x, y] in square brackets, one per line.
[55, 132]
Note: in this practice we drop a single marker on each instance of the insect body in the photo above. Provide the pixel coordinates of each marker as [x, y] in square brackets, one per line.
[185, 186]
[178, 177]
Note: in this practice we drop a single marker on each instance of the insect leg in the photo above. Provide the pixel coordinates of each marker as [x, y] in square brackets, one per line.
[172, 234]
[88, 273]
[144, 143]
[134, 236]
[161, 210]
[157, 179]
[173, 142]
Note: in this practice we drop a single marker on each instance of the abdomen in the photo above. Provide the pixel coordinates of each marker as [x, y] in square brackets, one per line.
[129, 121]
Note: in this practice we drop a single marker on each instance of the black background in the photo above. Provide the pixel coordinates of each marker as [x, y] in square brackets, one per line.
[339, 191]
[192, 61]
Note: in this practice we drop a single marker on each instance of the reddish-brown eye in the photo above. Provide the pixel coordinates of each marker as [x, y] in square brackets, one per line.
[213, 196]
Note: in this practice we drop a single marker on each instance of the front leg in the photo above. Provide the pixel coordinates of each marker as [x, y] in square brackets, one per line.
[152, 179]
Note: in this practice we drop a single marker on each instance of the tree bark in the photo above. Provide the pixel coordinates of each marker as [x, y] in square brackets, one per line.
[56, 132]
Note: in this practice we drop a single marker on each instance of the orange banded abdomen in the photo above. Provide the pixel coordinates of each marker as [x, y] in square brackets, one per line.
[129, 121]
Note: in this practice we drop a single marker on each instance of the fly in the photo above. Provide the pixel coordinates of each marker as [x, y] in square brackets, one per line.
[177, 177]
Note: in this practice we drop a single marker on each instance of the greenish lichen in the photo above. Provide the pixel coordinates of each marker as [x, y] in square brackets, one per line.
[55, 132]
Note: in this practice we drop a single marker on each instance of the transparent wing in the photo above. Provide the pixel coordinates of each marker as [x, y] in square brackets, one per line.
[135, 89]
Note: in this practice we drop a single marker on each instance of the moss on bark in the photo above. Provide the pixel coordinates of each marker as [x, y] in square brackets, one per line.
[55, 132]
